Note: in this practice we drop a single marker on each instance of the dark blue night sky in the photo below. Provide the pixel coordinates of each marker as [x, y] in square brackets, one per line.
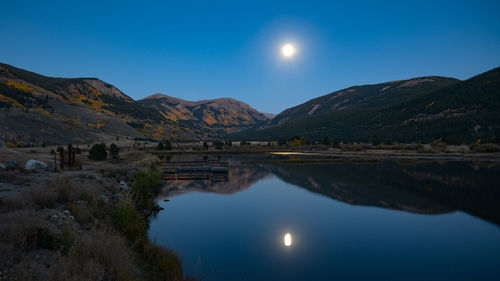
[208, 49]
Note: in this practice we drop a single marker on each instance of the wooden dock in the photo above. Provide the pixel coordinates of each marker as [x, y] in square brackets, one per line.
[216, 171]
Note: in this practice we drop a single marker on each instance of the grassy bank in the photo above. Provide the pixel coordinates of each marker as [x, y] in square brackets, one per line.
[83, 226]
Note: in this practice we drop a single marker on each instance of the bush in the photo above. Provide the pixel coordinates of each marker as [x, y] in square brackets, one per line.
[164, 145]
[485, 148]
[166, 265]
[129, 221]
[98, 152]
[147, 187]
[41, 197]
[98, 255]
[218, 144]
[326, 141]
[282, 142]
[114, 151]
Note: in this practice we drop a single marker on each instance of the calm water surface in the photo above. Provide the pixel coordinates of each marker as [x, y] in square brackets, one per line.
[381, 221]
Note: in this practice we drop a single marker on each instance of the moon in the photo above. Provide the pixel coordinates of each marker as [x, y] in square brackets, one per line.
[288, 50]
[287, 239]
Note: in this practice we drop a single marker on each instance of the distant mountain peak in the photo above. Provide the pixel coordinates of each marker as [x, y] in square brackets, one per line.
[156, 96]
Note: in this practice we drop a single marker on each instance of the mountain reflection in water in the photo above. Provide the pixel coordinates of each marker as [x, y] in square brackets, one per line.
[422, 187]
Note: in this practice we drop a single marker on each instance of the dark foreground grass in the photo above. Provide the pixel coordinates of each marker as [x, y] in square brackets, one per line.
[66, 231]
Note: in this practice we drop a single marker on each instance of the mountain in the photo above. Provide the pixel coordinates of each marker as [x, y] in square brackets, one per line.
[367, 96]
[38, 109]
[213, 117]
[421, 109]
[269, 115]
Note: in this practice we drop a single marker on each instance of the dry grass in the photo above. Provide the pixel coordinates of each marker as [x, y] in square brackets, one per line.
[88, 249]
[47, 195]
[28, 269]
[20, 231]
[16, 177]
[97, 255]
[484, 148]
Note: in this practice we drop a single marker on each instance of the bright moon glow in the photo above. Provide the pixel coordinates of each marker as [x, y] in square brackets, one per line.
[288, 50]
[287, 239]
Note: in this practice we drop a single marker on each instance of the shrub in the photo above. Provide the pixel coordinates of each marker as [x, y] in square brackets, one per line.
[41, 197]
[218, 144]
[129, 221]
[147, 187]
[42, 237]
[64, 190]
[164, 145]
[282, 142]
[114, 151]
[485, 148]
[25, 230]
[166, 265]
[326, 141]
[98, 255]
[98, 152]
[82, 214]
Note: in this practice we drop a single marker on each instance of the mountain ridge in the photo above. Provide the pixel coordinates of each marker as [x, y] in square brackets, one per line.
[463, 111]
[40, 108]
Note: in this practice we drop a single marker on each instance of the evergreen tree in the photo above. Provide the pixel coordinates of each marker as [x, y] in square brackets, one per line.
[114, 151]
[326, 141]
[160, 146]
[335, 142]
[98, 152]
[164, 145]
[167, 145]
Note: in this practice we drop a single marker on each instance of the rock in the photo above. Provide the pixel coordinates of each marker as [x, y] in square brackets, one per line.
[35, 166]
[104, 198]
[124, 185]
[11, 164]
[2, 166]
[119, 196]
[82, 203]
[51, 166]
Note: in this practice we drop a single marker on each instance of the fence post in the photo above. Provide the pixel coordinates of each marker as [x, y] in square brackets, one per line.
[61, 157]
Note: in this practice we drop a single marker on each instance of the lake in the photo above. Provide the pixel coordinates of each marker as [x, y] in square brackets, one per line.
[342, 221]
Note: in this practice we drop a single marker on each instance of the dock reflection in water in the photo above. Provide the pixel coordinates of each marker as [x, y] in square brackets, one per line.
[215, 171]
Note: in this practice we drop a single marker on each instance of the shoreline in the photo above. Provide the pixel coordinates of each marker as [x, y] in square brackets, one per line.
[372, 154]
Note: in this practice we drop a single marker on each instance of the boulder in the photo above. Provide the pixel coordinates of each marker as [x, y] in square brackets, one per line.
[124, 186]
[11, 164]
[35, 166]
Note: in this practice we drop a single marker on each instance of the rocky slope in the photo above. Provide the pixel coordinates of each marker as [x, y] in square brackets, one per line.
[366, 96]
[38, 109]
[219, 116]
[421, 109]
